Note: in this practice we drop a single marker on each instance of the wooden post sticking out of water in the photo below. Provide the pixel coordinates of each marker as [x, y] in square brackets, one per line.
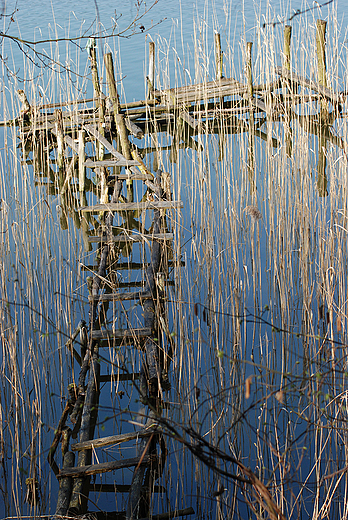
[60, 138]
[97, 94]
[249, 70]
[321, 52]
[250, 95]
[321, 55]
[151, 76]
[218, 56]
[290, 88]
[82, 158]
[119, 119]
[287, 41]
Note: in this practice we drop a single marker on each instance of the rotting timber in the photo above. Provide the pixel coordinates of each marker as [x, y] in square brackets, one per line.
[120, 335]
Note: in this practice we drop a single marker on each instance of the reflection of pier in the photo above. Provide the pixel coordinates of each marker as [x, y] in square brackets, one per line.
[124, 352]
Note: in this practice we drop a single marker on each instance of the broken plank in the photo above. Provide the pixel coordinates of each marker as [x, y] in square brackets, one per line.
[103, 467]
[133, 206]
[308, 83]
[113, 439]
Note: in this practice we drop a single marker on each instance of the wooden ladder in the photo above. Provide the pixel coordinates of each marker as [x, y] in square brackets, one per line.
[104, 345]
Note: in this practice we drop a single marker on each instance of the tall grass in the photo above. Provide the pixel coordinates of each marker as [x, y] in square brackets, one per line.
[259, 312]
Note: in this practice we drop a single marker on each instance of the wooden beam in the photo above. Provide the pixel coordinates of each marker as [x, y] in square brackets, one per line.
[133, 206]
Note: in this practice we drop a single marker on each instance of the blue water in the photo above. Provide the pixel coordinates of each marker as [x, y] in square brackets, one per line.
[235, 21]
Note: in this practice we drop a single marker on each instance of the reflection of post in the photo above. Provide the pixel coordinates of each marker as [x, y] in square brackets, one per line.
[251, 151]
[288, 130]
[322, 178]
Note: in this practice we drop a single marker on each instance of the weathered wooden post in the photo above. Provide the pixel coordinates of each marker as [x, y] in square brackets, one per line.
[286, 65]
[287, 41]
[151, 76]
[60, 138]
[321, 57]
[250, 95]
[65, 486]
[218, 57]
[82, 159]
[119, 119]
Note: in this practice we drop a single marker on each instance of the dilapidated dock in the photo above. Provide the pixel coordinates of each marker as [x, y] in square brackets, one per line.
[86, 153]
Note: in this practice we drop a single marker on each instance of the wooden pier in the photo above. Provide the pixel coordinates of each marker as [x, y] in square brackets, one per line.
[82, 152]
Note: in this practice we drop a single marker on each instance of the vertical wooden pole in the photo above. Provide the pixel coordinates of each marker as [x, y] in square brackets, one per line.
[65, 486]
[321, 51]
[79, 497]
[119, 119]
[287, 41]
[218, 57]
[60, 138]
[249, 74]
[286, 65]
[151, 75]
[82, 158]
[321, 56]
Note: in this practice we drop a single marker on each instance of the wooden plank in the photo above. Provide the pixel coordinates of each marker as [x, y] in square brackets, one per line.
[110, 147]
[171, 514]
[308, 83]
[203, 91]
[131, 238]
[122, 334]
[133, 206]
[113, 439]
[121, 296]
[120, 488]
[134, 177]
[103, 467]
[107, 163]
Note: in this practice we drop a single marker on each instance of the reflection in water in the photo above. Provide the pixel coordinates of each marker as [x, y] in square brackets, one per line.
[255, 329]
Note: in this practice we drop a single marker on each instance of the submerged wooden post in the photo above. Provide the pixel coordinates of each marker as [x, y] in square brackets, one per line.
[119, 119]
[218, 57]
[65, 486]
[78, 502]
[151, 76]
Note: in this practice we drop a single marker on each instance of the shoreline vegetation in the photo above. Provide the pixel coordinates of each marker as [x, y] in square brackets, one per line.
[189, 248]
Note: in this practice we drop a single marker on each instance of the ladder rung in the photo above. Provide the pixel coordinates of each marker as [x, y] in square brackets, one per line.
[119, 488]
[133, 206]
[132, 238]
[113, 439]
[122, 333]
[111, 378]
[121, 296]
[115, 162]
[103, 467]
